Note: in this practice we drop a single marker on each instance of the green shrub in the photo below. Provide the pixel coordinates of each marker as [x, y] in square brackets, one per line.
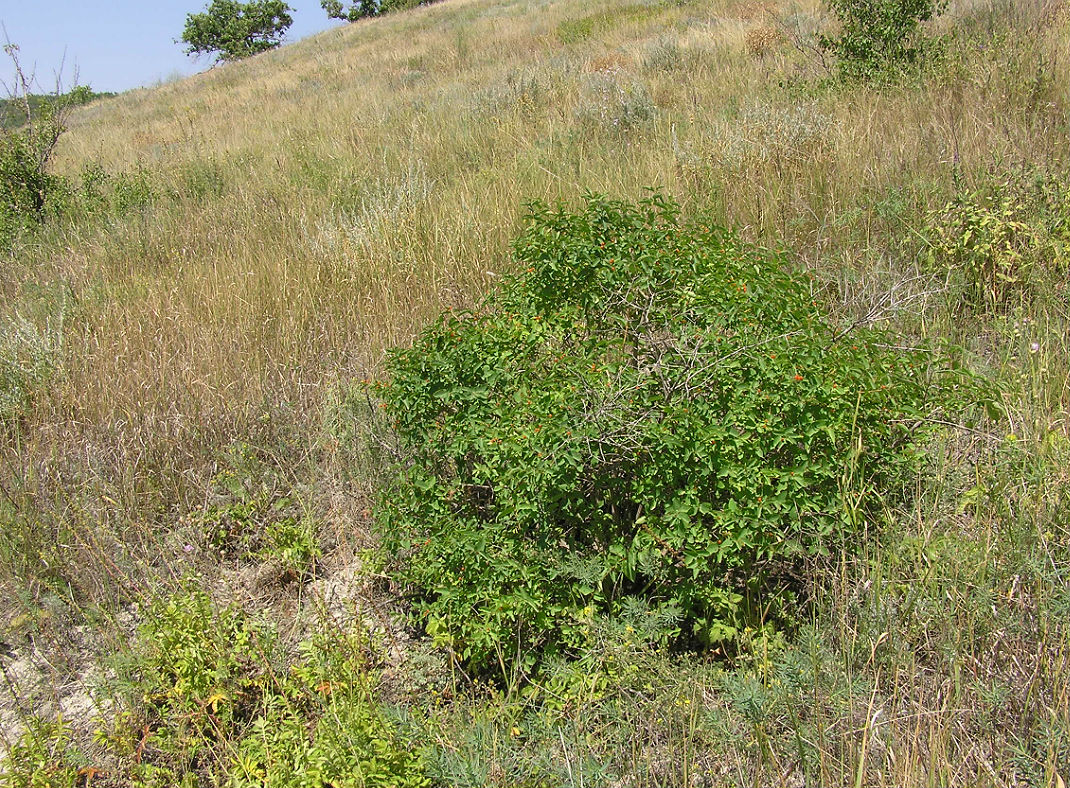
[30, 128]
[24, 156]
[651, 412]
[879, 38]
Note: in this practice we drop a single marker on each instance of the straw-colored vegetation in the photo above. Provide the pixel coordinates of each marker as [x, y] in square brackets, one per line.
[187, 470]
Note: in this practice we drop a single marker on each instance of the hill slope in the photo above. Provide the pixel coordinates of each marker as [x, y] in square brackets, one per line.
[179, 352]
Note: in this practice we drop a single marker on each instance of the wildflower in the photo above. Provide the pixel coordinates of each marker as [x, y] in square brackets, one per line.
[1034, 347]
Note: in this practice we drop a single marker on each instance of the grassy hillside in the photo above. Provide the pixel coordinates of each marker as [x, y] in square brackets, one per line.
[181, 352]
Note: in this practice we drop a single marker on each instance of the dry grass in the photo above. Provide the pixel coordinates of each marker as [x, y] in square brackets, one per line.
[367, 185]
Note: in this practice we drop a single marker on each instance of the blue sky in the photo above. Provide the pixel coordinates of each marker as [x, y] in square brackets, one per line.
[116, 45]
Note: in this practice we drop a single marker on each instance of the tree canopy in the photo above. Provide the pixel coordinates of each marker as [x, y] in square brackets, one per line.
[236, 30]
[359, 9]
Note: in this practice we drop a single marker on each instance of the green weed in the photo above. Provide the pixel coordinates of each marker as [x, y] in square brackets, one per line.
[220, 705]
[1005, 245]
[44, 757]
[574, 31]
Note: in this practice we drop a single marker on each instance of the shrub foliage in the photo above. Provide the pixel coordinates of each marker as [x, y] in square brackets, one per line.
[879, 38]
[220, 709]
[653, 416]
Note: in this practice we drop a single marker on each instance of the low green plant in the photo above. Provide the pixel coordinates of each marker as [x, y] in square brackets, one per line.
[204, 671]
[201, 180]
[251, 513]
[650, 411]
[880, 38]
[323, 727]
[131, 191]
[44, 757]
[221, 704]
[1004, 244]
[242, 504]
[576, 30]
[91, 191]
[292, 542]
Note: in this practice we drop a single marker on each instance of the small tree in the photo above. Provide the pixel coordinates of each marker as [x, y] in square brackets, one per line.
[29, 132]
[879, 37]
[236, 30]
[336, 9]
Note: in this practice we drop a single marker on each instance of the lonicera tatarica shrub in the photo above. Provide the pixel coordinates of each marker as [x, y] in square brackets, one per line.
[652, 419]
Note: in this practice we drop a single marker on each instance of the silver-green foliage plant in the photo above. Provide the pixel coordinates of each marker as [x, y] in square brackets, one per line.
[27, 358]
[652, 411]
[31, 351]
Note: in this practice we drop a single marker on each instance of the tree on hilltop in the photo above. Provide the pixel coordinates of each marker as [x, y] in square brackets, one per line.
[236, 30]
[359, 9]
